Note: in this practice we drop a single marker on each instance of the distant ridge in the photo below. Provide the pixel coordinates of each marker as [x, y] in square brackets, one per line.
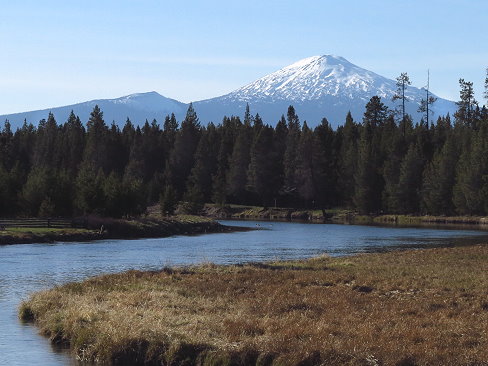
[137, 107]
[319, 86]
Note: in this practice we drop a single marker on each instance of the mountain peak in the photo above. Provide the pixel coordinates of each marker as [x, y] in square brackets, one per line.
[323, 60]
[318, 86]
[149, 101]
[311, 78]
[145, 94]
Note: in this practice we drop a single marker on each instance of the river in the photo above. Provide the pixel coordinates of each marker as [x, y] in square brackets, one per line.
[31, 267]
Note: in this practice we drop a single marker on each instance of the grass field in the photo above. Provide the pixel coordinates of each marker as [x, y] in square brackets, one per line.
[19, 235]
[423, 307]
[39, 230]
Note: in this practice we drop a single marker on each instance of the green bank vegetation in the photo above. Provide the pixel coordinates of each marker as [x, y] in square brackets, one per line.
[405, 308]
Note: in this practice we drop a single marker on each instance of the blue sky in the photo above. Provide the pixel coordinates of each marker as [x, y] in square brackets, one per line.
[55, 53]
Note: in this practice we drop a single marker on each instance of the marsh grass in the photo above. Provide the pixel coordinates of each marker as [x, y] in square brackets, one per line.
[423, 307]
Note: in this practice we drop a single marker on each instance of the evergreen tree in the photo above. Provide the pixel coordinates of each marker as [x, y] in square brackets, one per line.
[114, 195]
[170, 129]
[472, 171]
[95, 153]
[239, 162]
[36, 189]
[4, 191]
[326, 166]
[290, 156]
[393, 144]
[205, 165]
[403, 81]
[439, 180]
[368, 180]
[181, 158]
[73, 142]
[193, 201]
[118, 148]
[7, 156]
[168, 201]
[365, 178]
[134, 200]
[279, 147]
[62, 193]
[375, 113]
[305, 174]
[262, 179]
[440, 132]
[136, 166]
[466, 103]
[247, 116]
[128, 133]
[152, 150]
[46, 152]
[486, 87]
[23, 142]
[8, 193]
[409, 184]
[425, 104]
[228, 132]
[89, 190]
[347, 159]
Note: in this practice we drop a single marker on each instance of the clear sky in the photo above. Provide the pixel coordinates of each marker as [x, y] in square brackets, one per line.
[55, 53]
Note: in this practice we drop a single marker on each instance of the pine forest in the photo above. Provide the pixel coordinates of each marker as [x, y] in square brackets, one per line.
[384, 163]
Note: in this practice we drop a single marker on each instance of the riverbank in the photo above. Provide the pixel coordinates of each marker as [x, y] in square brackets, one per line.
[107, 228]
[338, 216]
[406, 307]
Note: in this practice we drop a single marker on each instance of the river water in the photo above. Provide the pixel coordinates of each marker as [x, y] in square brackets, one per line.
[31, 267]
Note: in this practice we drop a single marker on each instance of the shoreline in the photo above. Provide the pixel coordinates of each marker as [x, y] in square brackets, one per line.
[342, 217]
[154, 227]
[405, 307]
[118, 229]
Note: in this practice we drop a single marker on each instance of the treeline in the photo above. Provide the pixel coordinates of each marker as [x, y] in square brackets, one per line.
[377, 165]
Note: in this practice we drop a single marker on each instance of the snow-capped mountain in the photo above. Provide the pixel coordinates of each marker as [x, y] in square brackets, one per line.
[137, 107]
[319, 86]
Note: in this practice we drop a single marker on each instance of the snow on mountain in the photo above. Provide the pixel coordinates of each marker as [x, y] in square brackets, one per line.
[137, 107]
[319, 86]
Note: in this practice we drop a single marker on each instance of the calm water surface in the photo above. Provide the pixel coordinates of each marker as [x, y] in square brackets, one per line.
[30, 267]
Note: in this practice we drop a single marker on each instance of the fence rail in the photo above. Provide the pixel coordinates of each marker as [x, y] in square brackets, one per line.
[41, 223]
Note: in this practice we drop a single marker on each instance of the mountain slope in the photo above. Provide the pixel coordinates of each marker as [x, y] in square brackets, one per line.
[318, 86]
[136, 107]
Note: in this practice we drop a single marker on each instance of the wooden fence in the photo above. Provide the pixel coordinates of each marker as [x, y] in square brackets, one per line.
[42, 223]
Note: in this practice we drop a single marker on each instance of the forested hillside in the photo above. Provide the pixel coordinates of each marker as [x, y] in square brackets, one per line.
[384, 163]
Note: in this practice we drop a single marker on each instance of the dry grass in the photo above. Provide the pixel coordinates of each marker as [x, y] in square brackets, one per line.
[424, 307]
